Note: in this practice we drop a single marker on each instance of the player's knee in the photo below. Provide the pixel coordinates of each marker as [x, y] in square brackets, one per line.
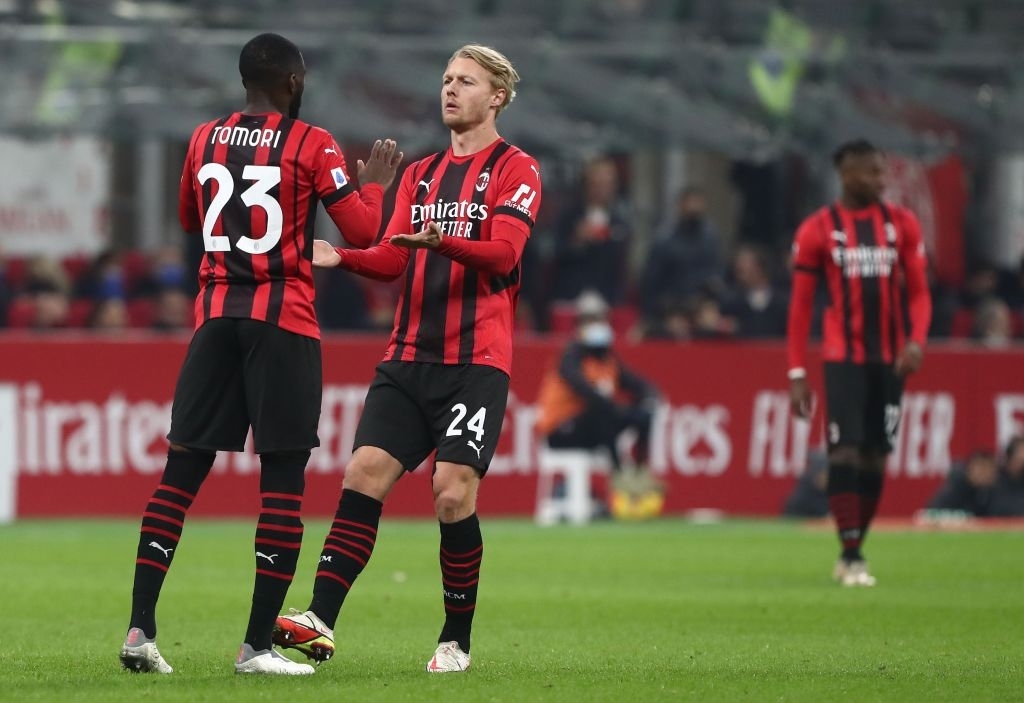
[453, 503]
[371, 473]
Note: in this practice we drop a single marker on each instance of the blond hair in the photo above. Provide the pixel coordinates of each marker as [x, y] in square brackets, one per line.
[503, 74]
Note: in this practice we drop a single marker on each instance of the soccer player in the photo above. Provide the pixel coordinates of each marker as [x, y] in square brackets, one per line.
[250, 184]
[444, 380]
[871, 257]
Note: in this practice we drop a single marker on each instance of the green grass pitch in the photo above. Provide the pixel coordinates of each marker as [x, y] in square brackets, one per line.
[665, 610]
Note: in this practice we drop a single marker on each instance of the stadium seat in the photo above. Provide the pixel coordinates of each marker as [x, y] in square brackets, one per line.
[15, 271]
[563, 318]
[79, 312]
[141, 312]
[21, 313]
[135, 265]
[962, 326]
[623, 319]
[573, 468]
[76, 265]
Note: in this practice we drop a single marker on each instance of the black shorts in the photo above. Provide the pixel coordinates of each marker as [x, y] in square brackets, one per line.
[414, 408]
[863, 405]
[240, 373]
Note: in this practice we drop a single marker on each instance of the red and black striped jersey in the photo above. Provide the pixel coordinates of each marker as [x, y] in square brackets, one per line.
[458, 302]
[250, 185]
[872, 261]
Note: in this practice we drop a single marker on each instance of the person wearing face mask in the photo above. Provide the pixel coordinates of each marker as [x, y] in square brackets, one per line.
[685, 262]
[591, 398]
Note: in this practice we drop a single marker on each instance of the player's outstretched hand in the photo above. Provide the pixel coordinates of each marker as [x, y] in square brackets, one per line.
[427, 238]
[382, 165]
[324, 255]
[909, 360]
[800, 401]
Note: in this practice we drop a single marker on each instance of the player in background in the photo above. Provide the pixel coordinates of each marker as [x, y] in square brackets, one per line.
[250, 185]
[870, 255]
[443, 383]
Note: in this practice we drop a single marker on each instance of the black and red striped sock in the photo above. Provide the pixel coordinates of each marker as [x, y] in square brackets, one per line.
[462, 551]
[160, 533]
[844, 503]
[347, 549]
[869, 485]
[278, 540]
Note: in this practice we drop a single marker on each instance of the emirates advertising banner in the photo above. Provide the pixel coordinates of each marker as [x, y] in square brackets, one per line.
[82, 425]
[54, 196]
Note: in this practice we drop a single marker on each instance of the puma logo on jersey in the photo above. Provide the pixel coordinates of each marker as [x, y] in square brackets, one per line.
[330, 151]
[426, 184]
[479, 449]
[534, 169]
[268, 557]
[839, 236]
[167, 552]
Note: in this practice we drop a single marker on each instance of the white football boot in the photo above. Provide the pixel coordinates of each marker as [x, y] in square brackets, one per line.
[268, 661]
[448, 657]
[140, 655]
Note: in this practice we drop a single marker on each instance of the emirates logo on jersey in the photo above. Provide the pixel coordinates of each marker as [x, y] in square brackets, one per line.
[455, 217]
[482, 180]
[864, 262]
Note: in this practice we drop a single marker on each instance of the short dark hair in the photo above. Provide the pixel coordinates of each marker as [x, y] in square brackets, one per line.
[268, 59]
[857, 147]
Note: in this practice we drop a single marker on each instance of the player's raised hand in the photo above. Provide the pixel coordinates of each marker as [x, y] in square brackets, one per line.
[427, 238]
[909, 360]
[382, 165]
[325, 255]
[801, 402]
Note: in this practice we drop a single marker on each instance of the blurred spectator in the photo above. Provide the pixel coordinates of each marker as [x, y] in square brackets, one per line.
[51, 309]
[707, 319]
[809, 497]
[172, 310]
[1011, 479]
[970, 487]
[592, 398]
[109, 315]
[166, 270]
[1014, 288]
[103, 279]
[341, 301]
[993, 323]
[982, 282]
[686, 259]
[46, 275]
[47, 286]
[5, 293]
[673, 323]
[756, 308]
[984, 488]
[591, 249]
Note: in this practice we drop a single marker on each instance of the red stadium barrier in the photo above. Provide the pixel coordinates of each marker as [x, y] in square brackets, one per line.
[89, 417]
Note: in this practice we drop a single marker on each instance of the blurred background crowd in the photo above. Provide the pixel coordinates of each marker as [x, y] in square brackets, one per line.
[691, 281]
[681, 142]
